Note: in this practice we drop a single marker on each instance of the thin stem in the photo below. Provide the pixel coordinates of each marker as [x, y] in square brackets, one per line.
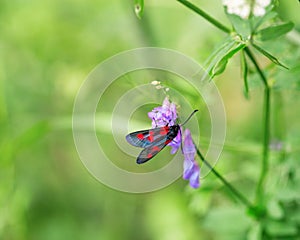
[266, 126]
[205, 15]
[260, 72]
[243, 199]
[245, 73]
[266, 130]
[265, 160]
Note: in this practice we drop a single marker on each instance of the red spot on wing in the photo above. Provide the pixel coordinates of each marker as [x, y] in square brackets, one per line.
[149, 155]
[168, 141]
[150, 137]
[164, 130]
[155, 149]
[140, 136]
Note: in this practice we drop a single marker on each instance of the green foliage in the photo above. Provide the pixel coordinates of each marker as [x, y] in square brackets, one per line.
[269, 16]
[240, 26]
[47, 50]
[228, 229]
[244, 70]
[273, 32]
[268, 55]
[268, 213]
[222, 63]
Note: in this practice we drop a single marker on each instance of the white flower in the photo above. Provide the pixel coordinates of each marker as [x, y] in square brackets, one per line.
[263, 3]
[242, 8]
[258, 11]
[259, 7]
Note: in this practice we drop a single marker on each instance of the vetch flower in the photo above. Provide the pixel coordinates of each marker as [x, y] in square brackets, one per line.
[243, 8]
[191, 169]
[164, 115]
[175, 144]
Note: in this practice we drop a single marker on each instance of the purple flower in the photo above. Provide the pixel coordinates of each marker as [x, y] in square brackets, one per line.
[191, 170]
[164, 115]
[175, 144]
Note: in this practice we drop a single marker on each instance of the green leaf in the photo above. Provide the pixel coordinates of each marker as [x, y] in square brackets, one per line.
[221, 65]
[256, 22]
[219, 53]
[241, 26]
[268, 55]
[273, 32]
[139, 8]
[244, 70]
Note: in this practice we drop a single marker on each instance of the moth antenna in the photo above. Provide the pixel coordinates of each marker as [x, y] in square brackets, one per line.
[189, 117]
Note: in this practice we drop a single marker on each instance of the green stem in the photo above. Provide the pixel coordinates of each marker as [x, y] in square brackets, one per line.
[266, 130]
[205, 15]
[260, 72]
[243, 199]
[245, 73]
[266, 126]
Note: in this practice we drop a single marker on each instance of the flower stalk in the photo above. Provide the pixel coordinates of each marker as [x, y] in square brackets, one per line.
[205, 15]
[266, 111]
[238, 195]
[266, 130]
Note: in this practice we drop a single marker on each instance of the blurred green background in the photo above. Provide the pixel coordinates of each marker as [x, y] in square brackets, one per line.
[47, 48]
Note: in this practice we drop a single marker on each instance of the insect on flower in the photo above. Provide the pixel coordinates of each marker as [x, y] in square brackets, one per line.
[154, 140]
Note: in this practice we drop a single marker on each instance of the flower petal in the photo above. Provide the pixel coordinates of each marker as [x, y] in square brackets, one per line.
[191, 169]
[175, 144]
[163, 115]
[187, 169]
[194, 178]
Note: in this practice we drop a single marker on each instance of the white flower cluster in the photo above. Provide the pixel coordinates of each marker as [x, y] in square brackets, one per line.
[242, 8]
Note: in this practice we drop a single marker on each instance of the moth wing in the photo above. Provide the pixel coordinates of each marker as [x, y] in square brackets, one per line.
[147, 138]
[151, 151]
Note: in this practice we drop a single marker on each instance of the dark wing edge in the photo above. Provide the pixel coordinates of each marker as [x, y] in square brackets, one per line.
[150, 152]
[159, 139]
[131, 139]
[134, 140]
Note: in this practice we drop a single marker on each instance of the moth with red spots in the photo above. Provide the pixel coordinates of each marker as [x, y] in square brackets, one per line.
[154, 140]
